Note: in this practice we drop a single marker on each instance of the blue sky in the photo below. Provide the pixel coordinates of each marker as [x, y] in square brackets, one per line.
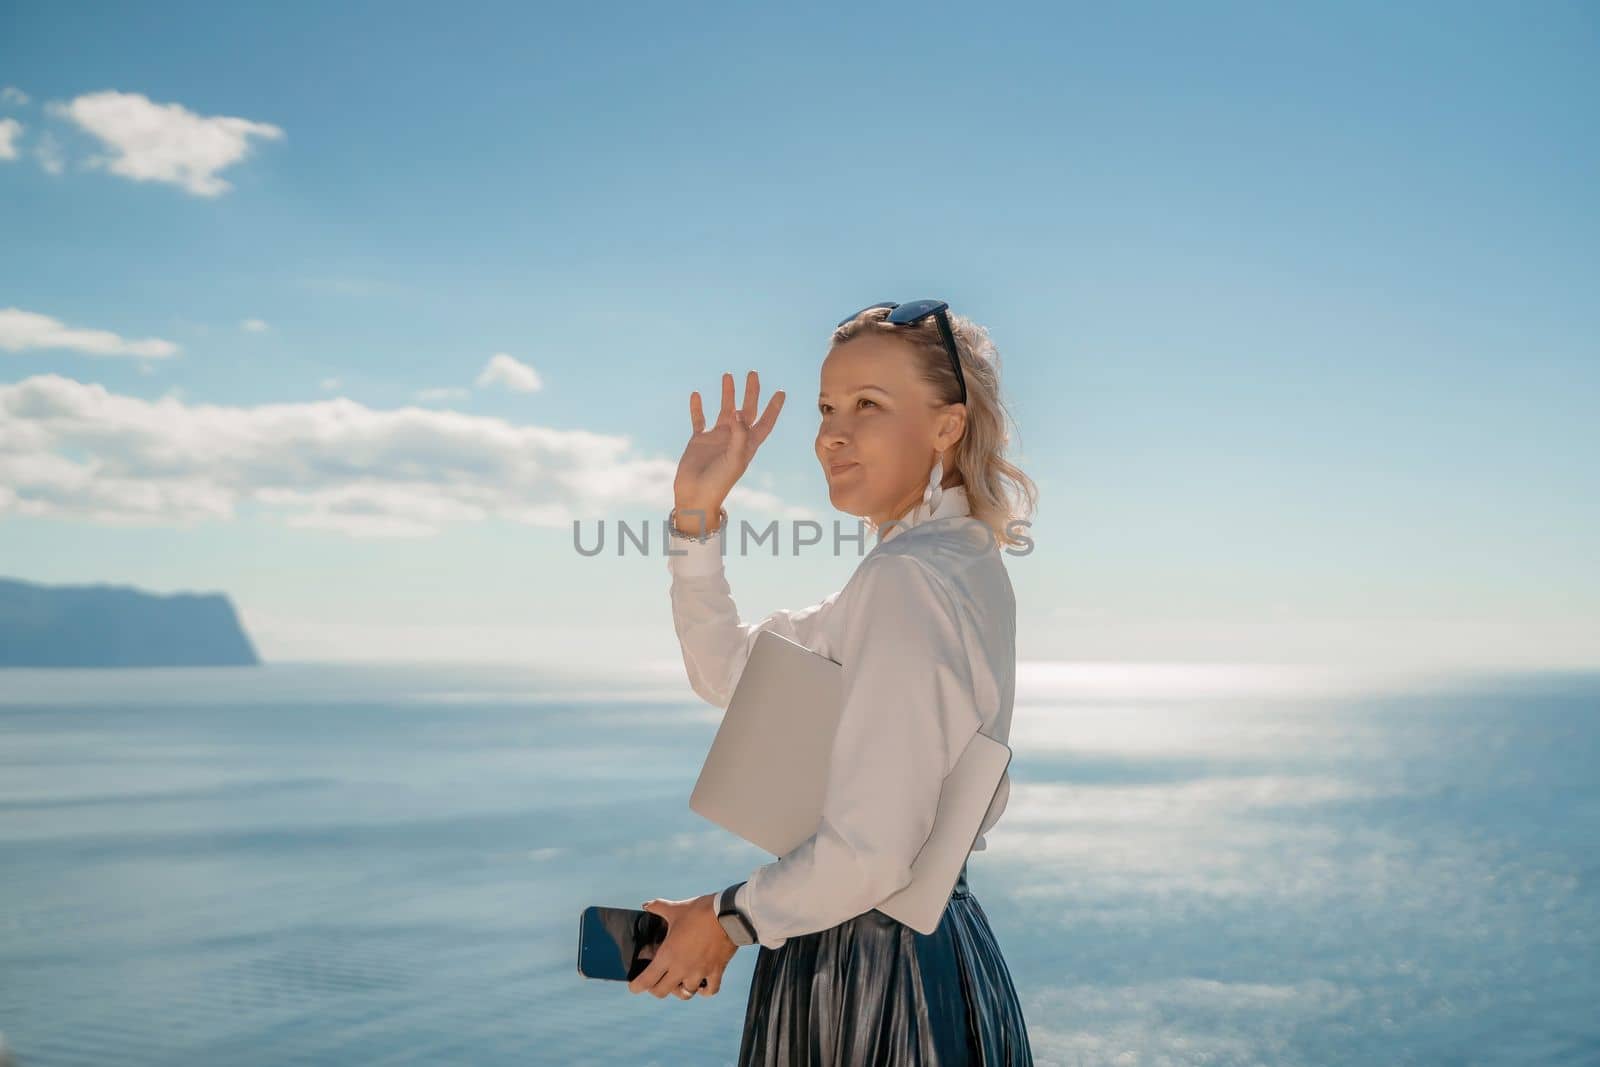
[1294, 305]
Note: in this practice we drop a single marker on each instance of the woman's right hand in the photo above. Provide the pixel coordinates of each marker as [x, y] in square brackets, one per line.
[714, 460]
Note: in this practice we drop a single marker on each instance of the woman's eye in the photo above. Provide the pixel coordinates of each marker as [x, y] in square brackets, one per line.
[823, 409]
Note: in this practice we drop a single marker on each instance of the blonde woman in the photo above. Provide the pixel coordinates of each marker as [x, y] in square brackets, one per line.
[912, 439]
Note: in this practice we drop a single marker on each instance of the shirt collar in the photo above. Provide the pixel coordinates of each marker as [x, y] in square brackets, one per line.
[952, 501]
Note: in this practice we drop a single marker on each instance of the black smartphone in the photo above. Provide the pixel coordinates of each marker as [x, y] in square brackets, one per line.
[618, 943]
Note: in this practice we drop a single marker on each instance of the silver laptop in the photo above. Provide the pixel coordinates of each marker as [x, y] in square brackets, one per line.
[767, 770]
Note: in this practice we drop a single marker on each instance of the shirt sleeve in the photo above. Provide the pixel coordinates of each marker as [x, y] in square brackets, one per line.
[715, 643]
[907, 715]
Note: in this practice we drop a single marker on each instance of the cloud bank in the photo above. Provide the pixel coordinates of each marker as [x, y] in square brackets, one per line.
[21, 330]
[76, 450]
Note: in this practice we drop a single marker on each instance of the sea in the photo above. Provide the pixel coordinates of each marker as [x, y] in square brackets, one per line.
[386, 864]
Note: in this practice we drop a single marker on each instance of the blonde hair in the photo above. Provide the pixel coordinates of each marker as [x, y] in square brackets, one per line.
[998, 493]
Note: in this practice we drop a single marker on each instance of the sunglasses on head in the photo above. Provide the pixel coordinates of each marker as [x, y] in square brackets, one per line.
[916, 311]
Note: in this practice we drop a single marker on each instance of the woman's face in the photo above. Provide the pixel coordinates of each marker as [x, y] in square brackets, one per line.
[880, 427]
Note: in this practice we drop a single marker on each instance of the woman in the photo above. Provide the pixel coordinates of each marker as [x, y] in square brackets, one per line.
[912, 439]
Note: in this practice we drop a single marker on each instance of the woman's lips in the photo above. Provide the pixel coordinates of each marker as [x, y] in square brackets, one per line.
[839, 468]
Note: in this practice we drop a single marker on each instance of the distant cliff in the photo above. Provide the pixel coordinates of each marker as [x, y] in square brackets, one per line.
[118, 626]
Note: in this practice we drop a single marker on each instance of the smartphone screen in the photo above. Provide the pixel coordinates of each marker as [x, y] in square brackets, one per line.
[618, 943]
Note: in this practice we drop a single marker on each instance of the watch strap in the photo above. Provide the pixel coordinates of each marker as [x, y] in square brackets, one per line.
[740, 929]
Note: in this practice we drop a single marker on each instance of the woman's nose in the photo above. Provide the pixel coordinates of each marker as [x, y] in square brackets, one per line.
[832, 435]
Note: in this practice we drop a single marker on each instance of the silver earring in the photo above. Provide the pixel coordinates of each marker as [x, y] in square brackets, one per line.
[934, 492]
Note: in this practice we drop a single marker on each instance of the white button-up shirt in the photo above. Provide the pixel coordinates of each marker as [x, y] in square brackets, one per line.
[925, 632]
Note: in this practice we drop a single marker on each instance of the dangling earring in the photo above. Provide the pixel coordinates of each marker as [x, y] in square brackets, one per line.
[934, 492]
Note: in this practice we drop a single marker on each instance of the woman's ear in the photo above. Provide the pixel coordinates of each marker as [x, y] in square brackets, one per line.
[952, 424]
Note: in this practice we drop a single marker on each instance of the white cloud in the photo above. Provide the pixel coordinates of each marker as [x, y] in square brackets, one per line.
[163, 142]
[445, 392]
[12, 95]
[48, 153]
[329, 384]
[253, 326]
[27, 329]
[75, 450]
[10, 130]
[504, 370]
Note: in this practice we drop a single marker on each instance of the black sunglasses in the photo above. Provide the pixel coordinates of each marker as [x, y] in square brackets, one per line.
[916, 311]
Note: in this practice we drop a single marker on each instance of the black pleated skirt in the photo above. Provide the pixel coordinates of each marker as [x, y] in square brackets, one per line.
[874, 991]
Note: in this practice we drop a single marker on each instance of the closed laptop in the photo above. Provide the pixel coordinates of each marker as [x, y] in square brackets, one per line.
[766, 773]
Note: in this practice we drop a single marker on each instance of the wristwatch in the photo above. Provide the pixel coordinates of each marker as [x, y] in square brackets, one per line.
[740, 930]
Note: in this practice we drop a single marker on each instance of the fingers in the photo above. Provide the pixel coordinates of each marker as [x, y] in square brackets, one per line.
[650, 977]
[742, 419]
[673, 983]
[769, 418]
[727, 398]
[752, 404]
[662, 980]
[752, 394]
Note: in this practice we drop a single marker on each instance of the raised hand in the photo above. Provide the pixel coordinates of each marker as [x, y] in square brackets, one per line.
[715, 459]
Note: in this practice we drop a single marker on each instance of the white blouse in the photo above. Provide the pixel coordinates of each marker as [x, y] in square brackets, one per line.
[925, 632]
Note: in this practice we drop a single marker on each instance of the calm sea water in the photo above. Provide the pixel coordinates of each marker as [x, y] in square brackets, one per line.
[347, 865]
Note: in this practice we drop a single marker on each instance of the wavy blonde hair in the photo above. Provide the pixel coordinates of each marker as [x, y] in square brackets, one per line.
[998, 492]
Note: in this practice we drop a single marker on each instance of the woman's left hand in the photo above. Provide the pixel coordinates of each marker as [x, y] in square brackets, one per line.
[696, 947]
